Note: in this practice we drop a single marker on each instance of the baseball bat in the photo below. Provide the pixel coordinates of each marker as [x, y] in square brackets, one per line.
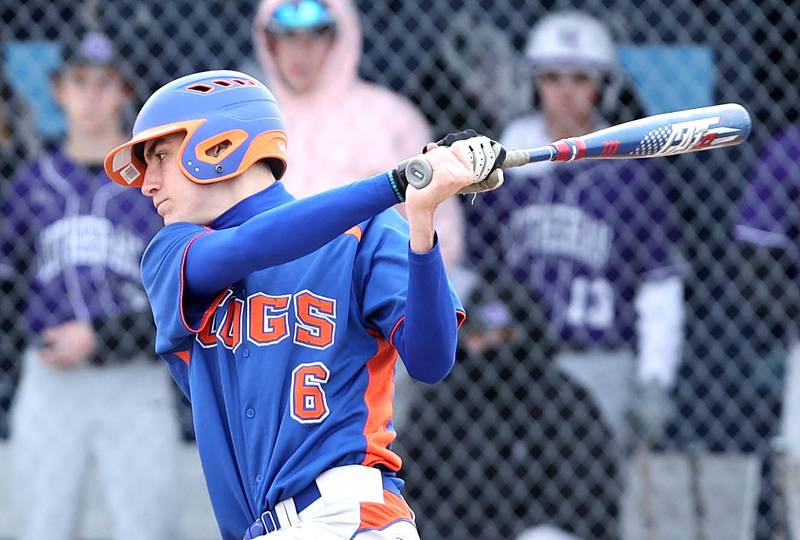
[667, 134]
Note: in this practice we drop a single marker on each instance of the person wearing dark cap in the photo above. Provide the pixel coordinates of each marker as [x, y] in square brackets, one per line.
[90, 390]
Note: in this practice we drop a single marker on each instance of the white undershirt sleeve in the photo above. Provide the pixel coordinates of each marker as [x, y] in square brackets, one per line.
[660, 329]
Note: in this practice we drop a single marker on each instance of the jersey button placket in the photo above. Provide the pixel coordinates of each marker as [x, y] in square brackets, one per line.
[250, 413]
[245, 352]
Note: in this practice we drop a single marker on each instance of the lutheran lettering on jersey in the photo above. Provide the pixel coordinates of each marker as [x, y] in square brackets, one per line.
[559, 229]
[87, 240]
[307, 318]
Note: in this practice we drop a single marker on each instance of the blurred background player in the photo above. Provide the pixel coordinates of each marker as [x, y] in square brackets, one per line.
[490, 93]
[594, 240]
[18, 143]
[310, 51]
[91, 391]
[519, 422]
[769, 223]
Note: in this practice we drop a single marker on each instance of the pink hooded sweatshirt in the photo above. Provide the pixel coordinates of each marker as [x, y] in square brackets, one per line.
[346, 128]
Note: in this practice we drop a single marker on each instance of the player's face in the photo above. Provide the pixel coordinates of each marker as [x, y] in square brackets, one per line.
[300, 57]
[176, 198]
[91, 97]
[568, 97]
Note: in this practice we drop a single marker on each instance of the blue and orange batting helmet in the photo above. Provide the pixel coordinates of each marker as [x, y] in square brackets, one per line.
[211, 107]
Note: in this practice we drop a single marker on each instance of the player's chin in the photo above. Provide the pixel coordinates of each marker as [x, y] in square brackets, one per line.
[170, 218]
[168, 214]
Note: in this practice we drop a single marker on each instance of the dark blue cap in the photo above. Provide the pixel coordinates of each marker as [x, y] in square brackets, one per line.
[93, 48]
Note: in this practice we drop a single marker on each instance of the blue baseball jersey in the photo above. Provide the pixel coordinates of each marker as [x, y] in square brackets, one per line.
[76, 240]
[582, 235]
[290, 370]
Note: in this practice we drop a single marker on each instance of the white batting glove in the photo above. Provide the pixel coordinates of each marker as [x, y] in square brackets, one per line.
[486, 157]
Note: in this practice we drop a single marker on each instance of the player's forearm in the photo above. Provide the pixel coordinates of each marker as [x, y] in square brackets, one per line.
[421, 231]
[123, 337]
[426, 338]
[283, 234]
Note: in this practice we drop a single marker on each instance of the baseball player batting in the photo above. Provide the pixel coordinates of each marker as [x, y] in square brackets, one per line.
[282, 320]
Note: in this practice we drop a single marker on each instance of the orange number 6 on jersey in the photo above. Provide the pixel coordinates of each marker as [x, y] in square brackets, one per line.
[309, 404]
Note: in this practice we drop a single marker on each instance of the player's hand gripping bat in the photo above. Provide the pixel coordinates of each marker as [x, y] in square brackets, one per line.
[668, 134]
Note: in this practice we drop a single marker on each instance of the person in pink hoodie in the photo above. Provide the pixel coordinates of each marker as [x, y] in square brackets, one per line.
[310, 51]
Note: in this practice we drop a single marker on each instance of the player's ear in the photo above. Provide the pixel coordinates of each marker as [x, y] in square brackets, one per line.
[272, 42]
[127, 88]
[56, 84]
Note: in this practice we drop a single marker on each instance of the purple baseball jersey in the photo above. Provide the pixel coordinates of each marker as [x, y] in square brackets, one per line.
[770, 215]
[583, 236]
[76, 240]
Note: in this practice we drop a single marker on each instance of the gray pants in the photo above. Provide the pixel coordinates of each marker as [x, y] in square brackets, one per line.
[119, 418]
[790, 436]
[608, 378]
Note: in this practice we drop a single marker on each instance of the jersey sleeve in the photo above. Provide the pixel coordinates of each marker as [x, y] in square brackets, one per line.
[8, 241]
[385, 264]
[766, 216]
[17, 226]
[16, 239]
[652, 235]
[382, 271]
[177, 316]
[321, 217]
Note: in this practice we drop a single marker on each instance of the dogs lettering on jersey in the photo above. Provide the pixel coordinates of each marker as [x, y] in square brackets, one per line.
[266, 320]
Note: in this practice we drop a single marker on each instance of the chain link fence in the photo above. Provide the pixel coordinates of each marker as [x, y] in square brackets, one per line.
[569, 274]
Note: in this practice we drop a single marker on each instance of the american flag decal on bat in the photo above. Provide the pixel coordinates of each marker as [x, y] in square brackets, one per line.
[683, 137]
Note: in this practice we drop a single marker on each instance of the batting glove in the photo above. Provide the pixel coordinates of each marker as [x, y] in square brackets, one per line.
[485, 155]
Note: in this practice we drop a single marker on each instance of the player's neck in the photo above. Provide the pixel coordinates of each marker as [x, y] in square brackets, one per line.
[85, 146]
[563, 129]
[254, 180]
